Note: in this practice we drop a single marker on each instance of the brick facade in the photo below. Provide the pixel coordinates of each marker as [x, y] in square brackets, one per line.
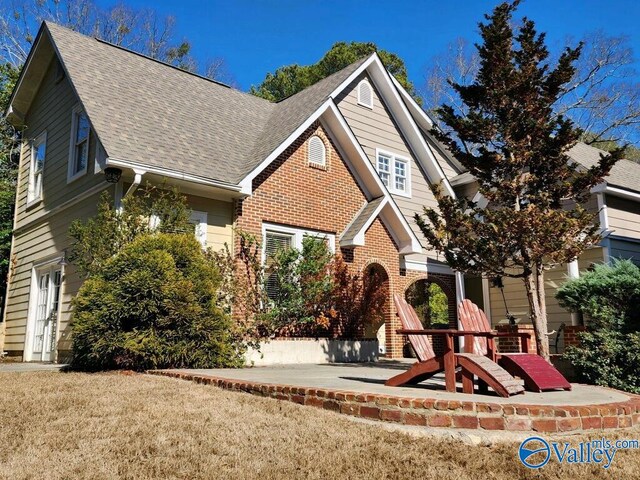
[292, 193]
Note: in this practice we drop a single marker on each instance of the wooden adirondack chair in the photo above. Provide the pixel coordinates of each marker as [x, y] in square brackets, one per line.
[429, 364]
[538, 374]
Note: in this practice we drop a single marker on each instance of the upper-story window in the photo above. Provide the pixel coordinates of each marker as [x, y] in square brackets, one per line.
[79, 152]
[365, 94]
[395, 172]
[317, 152]
[38, 153]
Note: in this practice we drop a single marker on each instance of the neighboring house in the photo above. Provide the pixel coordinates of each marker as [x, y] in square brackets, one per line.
[348, 159]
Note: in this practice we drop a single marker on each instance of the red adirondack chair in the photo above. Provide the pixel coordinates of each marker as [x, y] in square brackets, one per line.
[538, 374]
[429, 364]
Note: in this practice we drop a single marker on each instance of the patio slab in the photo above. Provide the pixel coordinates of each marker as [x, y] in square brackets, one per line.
[359, 390]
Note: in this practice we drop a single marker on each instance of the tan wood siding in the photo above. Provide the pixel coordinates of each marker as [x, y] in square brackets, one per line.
[375, 128]
[51, 111]
[219, 220]
[516, 295]
[624, 217]
[39, 243]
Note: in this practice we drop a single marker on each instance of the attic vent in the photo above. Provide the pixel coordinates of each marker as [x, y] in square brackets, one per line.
[317, 152]
[365, 94]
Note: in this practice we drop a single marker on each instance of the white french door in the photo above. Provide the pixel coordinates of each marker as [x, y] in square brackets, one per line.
[46, 314]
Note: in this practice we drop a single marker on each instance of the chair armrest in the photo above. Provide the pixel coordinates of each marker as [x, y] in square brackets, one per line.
[449, 332]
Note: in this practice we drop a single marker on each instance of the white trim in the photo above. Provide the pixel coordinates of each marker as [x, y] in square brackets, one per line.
[166, 172]
[410, 128]
[199, 219]
[425, 266]
[573, 271]
[359, 237]
[365, 83]
[32, 198]
[49, 262]
[428, 122]
[246, 182]
[486, 298]
[392, 172]
[620, 192]
[298, 236]
[71, 175]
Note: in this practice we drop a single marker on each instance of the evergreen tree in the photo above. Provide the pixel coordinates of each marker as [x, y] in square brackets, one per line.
[516, 148]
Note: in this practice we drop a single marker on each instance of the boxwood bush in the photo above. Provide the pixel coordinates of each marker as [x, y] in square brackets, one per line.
[609, 351]
[153, 305]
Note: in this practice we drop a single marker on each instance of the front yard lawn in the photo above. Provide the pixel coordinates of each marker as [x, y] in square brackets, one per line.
[72, 425]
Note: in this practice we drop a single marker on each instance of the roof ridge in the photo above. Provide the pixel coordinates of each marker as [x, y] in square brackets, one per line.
[158, 61]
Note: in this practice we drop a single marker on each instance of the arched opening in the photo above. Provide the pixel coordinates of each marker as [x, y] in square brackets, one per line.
[432, 304]
[376, 297]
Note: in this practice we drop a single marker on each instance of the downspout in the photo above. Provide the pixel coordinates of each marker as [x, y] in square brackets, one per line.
[136, 181]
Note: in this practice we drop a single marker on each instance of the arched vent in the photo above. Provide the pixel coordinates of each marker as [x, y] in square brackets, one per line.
[365, 94]
[317, 151]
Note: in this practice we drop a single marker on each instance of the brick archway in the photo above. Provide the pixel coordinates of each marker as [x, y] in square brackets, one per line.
[381, 327]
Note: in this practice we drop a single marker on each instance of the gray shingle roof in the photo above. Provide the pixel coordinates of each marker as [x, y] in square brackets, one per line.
[359, 221]
[148, 112]
[624, 174]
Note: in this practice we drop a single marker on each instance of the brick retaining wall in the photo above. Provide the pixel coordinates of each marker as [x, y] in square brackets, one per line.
[438, 413]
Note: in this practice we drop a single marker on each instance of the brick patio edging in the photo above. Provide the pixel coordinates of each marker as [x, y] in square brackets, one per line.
[438, 413]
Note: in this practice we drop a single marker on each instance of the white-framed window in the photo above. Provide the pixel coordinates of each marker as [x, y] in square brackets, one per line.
[36, 168]
[317, 152]
[79, 147]
[199, 220]
[395, 172]
[365, 94]
[278, 237]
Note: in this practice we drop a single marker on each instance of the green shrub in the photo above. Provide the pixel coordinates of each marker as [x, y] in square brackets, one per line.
[153, 305]
[609, 352]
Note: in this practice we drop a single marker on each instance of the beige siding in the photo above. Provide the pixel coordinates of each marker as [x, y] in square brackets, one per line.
[51, 112]
[34, 245]
[516, 295]
[219, 220]
[375, 128]
[624, 217]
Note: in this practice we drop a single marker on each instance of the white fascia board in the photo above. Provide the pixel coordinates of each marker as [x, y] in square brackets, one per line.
[382, 79]
[166, 172]
[424, 120]
[371, 179]
[359, 238]
[246, 182]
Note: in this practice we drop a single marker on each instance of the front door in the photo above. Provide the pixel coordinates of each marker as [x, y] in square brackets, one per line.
[46, 314]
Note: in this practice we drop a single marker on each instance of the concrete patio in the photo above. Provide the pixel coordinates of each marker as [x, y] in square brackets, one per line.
[359, 390]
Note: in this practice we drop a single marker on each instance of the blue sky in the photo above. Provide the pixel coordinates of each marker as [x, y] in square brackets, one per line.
[255, 37]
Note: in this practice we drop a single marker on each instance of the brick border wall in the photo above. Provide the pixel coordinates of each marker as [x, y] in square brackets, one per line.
[438, 413]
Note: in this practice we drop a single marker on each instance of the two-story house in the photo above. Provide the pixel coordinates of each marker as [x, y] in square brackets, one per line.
[349, 159]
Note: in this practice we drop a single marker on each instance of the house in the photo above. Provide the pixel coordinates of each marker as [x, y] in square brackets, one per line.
[349, 159]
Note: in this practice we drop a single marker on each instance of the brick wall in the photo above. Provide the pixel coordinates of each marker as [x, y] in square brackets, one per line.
[512, 344]
[571, 335]
[292, 193]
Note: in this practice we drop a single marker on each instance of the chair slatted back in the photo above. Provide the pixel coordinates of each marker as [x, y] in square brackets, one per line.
[410, 321]
[473, 319]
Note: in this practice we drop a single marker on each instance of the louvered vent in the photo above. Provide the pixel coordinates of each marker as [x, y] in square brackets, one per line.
[365, 94]
[317, 151]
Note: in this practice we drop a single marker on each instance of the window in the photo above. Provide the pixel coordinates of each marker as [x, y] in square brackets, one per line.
[317, 152]
[365, 94]
[38, 153]
[277, 237]
[79, 152]
[394, 171]
[199, 220]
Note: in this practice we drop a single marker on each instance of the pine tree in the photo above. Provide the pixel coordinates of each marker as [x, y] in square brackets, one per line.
[515, 145]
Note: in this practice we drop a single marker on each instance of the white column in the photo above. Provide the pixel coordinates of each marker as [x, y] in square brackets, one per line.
[604, 225]
[573, 271]
[459, 293]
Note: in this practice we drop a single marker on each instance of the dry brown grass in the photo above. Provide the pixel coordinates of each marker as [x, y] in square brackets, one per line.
[55, 425]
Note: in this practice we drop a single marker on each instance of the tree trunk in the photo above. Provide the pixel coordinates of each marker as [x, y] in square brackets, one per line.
[534, 285]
